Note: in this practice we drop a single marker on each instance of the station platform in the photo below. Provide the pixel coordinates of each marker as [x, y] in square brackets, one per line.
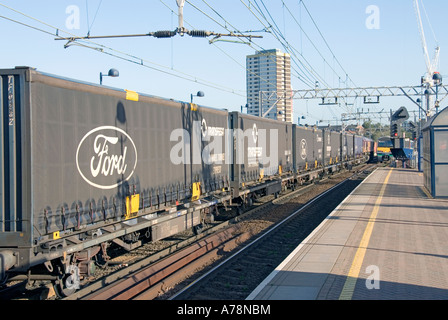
[388, 240]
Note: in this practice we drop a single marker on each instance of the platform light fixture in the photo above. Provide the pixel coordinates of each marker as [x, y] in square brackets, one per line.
[437, 77]
[112, 73]
[199, 94]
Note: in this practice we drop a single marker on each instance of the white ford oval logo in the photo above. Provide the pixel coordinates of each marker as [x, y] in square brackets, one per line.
[106, 157]
[303, 149]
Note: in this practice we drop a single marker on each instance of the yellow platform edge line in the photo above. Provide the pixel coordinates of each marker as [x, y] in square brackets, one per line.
[350, 282]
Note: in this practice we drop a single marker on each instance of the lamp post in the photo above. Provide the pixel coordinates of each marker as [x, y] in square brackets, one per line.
[112, 73]
[437, 77]
[427, 102]
[199, 94]
[419, 101]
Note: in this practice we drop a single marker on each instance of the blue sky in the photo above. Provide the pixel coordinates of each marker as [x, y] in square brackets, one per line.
[385, 56]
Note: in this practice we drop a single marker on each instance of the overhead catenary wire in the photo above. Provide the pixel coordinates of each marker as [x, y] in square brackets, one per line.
[87, 43]
[302, 77]
[180, 30]
[227, 25]
[325, 41]
[348, 78]
[272, 28]
[345, 105]
[290, 49]
[217, 47]
[308, 37]
[276, 29]
[319, 81]
[302, 68]
[252, 43]
[90, 25]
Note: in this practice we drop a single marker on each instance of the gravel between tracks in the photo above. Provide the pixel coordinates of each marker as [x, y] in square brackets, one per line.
[235, 281]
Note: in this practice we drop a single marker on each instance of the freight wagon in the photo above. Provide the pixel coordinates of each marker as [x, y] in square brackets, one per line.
[262, 154]
[83, 166]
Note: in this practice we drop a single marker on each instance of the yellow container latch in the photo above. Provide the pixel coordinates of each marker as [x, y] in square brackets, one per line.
[261, 174]
[131, 95]
[196, 191]
[132, 204]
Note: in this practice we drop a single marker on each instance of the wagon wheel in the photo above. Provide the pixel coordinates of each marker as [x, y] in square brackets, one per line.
[68, 283]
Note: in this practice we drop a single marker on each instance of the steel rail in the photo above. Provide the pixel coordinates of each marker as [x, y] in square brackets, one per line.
[269, 231]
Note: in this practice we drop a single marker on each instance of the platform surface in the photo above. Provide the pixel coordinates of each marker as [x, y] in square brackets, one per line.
[388, 240]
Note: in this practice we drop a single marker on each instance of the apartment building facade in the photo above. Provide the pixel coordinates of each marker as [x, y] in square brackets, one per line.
[270, 71]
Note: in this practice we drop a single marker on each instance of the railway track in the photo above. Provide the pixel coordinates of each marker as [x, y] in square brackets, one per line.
[165, 275]
[238, 275]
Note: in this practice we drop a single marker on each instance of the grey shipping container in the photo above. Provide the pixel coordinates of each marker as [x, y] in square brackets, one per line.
[347, 139]
[263, 148]
[358, 146]
[74, 154]
[326, 134]
[306, 148]
[319, 146]
[335, 155]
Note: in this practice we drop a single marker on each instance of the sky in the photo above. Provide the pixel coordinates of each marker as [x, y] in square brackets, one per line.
[374, 42]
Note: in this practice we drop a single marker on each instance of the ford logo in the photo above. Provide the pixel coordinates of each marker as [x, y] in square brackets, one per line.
[106, 157]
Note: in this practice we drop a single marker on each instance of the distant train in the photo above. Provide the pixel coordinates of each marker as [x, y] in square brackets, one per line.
[384, 146]
[398, 148]
[84, 165]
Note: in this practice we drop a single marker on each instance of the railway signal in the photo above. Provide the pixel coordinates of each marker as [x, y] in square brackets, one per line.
[400, 115]
[413, 128]
[394, 130]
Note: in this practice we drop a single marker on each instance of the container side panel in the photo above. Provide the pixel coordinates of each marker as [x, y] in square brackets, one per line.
[91, 151]
[2, 144]
[11, 159]
[263, 145]
[210, 163]
[305, 150]
[335, 146]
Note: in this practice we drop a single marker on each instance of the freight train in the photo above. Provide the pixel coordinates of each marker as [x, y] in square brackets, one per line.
[83, 166]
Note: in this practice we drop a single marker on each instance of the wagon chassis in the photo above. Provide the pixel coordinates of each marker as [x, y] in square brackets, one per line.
[79, 247]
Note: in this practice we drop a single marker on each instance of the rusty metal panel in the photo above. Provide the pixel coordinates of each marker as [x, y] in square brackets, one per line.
[176, 225]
